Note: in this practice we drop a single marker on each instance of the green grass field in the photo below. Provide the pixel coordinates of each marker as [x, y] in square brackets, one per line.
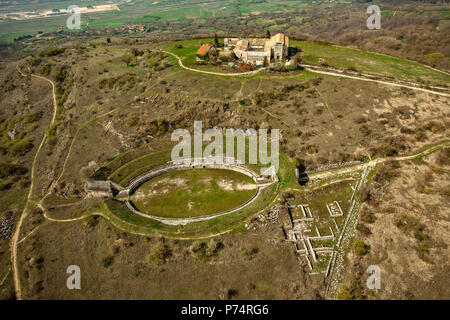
[186, 49]
[193, 193]
[335, 56]
[369, 62]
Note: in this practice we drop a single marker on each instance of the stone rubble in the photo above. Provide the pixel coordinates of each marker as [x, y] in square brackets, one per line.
[262, 220]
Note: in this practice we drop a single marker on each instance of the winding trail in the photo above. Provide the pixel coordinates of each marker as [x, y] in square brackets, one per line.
[248, 73]
[15, 238]
[338, 171]
[310, 69]
[334, 74]
[54, 183]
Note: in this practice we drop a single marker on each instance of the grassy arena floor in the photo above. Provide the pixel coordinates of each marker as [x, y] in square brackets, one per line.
[193, 193]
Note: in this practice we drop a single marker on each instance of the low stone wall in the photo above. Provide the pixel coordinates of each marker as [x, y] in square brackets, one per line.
[333, 166]
[170, 167]
[184, 221]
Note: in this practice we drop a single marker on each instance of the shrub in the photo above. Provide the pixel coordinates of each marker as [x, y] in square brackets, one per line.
[355, 292]
[22, 147]
[108, 261]
[443, 157]
[367, 216]
[323, 62]
[45, 69]
[136, 52]
[359, 247]
[127, 58]
[295, 162]
[158, 254]
[33, 117]
[60, 73]
[364, 129]
[51, 52]
[50, 131]
[107, 83]
[10, 169]
[363, 229]
[435, 58]
[387, 172]
[423, 251]
[410, 224]
[5, 186]
[344, 294]
[364, 194]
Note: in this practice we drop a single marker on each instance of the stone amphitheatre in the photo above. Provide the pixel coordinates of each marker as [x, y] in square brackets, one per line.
[125, 194]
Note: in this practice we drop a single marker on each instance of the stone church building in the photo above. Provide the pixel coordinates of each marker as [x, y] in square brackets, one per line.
[254, 50]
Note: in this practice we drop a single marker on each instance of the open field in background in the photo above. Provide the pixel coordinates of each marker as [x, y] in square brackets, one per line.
[186, 49]
[25, 5]
[11, 29]
[137, 12]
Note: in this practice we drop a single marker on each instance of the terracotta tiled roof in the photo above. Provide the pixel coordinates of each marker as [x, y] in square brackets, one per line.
[204, 49]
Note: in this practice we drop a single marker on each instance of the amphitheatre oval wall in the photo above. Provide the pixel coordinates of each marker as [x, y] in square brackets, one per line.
[136, 182]
[171, 167]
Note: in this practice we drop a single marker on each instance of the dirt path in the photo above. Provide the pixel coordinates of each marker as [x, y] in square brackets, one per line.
[338, 171]
[248, 73]
[70, 150]
[334, 74]
[15, 238]
[309, 68]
